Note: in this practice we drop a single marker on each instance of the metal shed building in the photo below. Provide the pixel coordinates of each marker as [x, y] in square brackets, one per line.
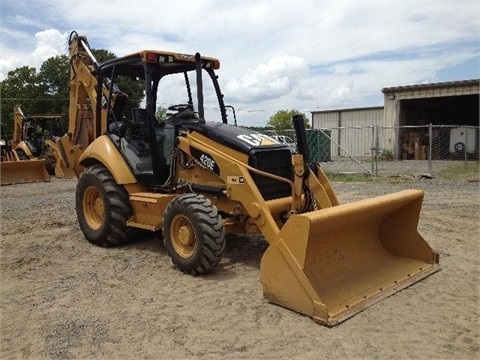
[446, 103]
[407, 110]
[450, 108]
[348, 124]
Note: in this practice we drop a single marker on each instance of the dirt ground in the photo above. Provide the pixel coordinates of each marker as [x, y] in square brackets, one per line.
[63, 298]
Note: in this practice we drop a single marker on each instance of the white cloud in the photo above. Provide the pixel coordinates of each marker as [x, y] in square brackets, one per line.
[48, 43]
[23, 20]
[274, 54]
[6, 64]
[271, 80]
[343, 95]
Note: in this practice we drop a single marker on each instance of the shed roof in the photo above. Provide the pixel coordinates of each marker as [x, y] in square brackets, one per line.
[449, 84]
[347, 109]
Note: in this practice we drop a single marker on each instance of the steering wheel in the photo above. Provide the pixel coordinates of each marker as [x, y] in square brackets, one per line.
[180, 107]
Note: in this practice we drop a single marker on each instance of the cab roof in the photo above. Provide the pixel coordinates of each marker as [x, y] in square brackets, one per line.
[165, 62]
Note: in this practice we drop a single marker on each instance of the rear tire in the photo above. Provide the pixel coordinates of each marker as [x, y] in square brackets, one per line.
[194, 235]
[103, 207]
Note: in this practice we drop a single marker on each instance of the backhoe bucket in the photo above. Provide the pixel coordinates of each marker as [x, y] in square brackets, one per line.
[23, 171]
[332, 263]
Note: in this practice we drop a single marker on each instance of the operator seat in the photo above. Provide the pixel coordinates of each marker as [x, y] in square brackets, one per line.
[138, 137]
[139, 116]
[117, 128]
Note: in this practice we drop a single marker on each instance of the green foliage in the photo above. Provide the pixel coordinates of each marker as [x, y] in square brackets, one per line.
[351, 177]
[24, 87]
[161, 114]
[282, 119]
[134, 89]
[46, 92]
[102, 55]
[55, 76]
[385, 155]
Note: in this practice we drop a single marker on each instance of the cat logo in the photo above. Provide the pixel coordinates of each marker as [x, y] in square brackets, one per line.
[257, 139]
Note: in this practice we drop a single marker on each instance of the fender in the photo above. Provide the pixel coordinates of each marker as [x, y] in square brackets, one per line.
[104, 151]
[24, 147]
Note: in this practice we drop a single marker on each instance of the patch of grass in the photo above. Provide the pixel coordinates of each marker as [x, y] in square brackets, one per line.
[386, 155]
[461, 171]
[351, 177]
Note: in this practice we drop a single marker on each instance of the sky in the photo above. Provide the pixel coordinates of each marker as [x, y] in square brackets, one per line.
[275, 55]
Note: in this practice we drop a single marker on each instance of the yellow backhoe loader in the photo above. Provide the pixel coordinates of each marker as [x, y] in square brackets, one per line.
[198, 181]
[29, 155]
[14, 170]
[34, 136]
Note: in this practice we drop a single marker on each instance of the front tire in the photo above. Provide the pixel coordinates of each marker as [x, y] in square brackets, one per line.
[103, 207]
[194, 235]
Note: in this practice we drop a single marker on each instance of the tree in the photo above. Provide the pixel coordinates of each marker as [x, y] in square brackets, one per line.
[134, 89]
[282, 119]
[55, 76]
[47, 92]
[161, 114]
[23, 87]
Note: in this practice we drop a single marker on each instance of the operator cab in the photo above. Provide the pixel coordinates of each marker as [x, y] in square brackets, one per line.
[145, 131]
[36, 129]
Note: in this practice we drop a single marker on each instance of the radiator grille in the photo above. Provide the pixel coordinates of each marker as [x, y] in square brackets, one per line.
[277, 162]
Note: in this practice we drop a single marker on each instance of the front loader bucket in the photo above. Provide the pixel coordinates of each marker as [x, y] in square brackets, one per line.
[23, 171]
[332, 263]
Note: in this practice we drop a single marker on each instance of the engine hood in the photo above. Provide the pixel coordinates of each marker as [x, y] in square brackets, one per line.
[241, 139]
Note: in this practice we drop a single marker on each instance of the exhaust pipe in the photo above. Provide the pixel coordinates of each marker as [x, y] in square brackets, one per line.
[198, 69]
[301, 134]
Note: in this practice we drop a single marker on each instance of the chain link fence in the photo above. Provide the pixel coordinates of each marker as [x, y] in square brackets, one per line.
[390, 151]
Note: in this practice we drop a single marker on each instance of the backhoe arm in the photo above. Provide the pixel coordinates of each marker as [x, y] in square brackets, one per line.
[85, 122]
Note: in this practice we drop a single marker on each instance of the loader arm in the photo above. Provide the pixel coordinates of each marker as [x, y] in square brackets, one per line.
[240, 187]
[239, 184]
[17, 124]
[331, 261]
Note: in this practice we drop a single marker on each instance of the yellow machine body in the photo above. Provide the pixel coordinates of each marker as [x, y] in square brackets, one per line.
[332, 263]
[28, 156]
[23, 171]
[197, 181]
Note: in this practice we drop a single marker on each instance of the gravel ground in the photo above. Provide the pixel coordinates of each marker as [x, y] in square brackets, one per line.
[63, 298]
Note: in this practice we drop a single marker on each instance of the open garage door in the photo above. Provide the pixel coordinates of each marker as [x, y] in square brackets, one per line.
[454, 121]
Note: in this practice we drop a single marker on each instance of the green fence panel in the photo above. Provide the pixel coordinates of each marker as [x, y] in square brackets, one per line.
[319, 145]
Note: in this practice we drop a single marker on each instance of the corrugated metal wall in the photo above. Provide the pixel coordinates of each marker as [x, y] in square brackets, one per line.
[344, 123]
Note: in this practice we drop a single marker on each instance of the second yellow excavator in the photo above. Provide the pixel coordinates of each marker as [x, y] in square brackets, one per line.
[29, 155]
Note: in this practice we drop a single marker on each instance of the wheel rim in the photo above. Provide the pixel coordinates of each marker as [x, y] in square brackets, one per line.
[182, 236]
[93, 207]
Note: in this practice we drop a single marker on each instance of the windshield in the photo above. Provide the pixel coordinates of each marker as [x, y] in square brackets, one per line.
[176, 89]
